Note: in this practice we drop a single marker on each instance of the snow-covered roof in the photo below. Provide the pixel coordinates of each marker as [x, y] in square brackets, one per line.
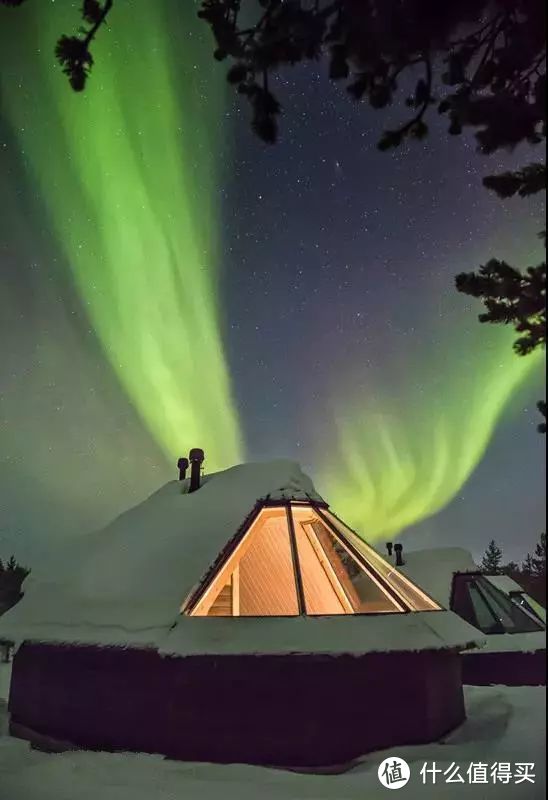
[433, 569]
[504, 583]
[125, 584]
[530, 642]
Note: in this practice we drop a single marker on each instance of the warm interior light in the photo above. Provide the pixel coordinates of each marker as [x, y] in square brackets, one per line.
[408, 591]
[258, 579]
[356, 588]
[313, 553]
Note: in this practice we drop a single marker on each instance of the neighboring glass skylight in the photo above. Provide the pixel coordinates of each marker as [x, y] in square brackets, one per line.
[487, 608]
[529, 604]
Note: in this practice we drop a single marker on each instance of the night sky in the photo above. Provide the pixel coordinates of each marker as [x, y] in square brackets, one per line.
[328, 305]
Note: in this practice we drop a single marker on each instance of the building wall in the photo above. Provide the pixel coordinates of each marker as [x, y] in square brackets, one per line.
[301, 711]
[510, 668]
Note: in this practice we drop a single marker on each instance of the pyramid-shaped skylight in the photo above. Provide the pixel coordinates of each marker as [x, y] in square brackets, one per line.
[294, 558]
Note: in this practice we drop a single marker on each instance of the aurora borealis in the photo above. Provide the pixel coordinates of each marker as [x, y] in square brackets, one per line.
[425, 452]
[178, 284]
[129, 186]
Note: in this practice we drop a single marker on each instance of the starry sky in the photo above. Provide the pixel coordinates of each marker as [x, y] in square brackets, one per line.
[329, 329]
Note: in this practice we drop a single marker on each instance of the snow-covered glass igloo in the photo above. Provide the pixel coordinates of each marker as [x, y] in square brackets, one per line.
[221, 625]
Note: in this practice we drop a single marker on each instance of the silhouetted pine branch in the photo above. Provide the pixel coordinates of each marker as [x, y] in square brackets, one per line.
[526, 181]
[73, 52]
[511, 297]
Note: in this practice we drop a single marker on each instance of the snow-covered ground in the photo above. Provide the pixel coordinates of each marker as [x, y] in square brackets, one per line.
[505, 725]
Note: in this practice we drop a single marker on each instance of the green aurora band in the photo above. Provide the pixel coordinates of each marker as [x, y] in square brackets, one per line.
[399, 467]
[127, 174]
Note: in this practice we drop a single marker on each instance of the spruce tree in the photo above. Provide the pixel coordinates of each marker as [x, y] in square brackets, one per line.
[539, 558]
[534, 571]
[492, 559]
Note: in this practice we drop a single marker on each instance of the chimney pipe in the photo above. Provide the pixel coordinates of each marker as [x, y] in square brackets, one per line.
[398, 549]
[182, 465]
[389, 547]
[196, 458]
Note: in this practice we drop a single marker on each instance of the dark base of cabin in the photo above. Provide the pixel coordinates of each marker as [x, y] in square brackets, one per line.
[295, 711]
[505, 669]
